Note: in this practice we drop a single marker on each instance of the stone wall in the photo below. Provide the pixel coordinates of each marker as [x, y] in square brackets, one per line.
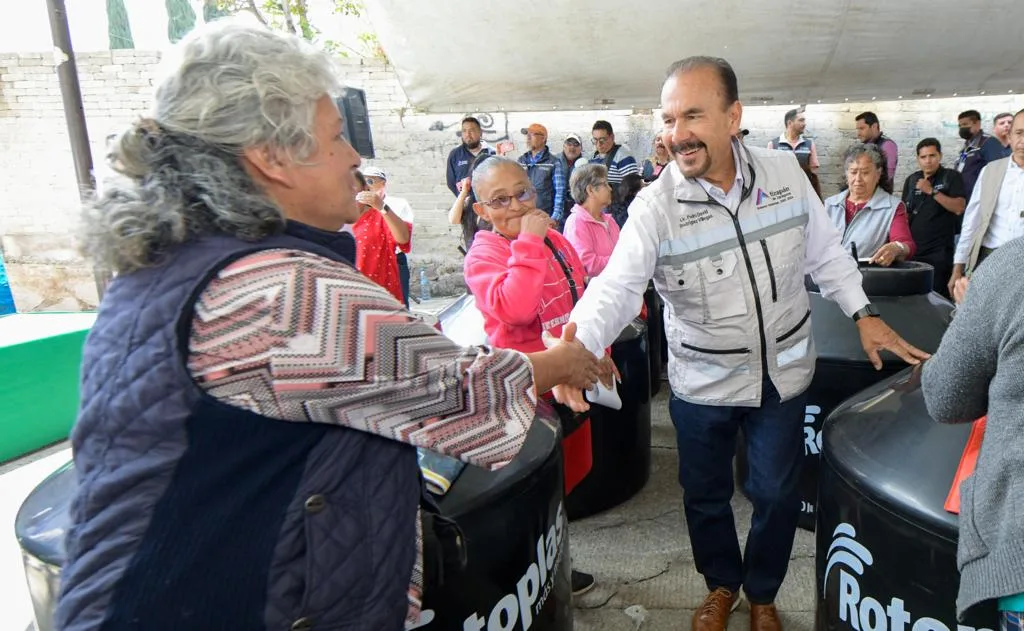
[39, 198]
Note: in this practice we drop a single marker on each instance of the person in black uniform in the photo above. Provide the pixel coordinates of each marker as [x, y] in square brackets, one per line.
[935, 201]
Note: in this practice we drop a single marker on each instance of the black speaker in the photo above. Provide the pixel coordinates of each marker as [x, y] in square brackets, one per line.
[352, 105]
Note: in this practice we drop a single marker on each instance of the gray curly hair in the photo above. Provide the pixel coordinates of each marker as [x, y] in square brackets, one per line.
[585, 176]
[874, 154]
[233, 85]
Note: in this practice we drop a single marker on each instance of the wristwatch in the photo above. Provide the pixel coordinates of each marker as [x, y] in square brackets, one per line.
[868, 311]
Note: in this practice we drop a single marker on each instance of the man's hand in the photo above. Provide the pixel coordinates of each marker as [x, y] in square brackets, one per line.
[924, 186]
[370, 199]
[958, 273]
[536, 222]
[875, 336]
[960, 289]
[463, 185]
[569, 394]
[608, 372]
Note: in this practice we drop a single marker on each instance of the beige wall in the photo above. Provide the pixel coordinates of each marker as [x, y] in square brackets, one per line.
[39, 200]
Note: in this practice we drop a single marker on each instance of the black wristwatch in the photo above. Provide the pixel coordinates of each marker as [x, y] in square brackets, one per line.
[868, 311]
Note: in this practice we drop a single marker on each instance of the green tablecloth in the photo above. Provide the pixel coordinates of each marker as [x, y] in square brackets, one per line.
[40, 357]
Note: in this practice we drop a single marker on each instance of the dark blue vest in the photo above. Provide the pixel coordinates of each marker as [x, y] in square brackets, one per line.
[542, 176]
[193, 514]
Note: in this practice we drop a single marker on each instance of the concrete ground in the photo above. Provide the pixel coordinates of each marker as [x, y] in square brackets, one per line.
[641, 556]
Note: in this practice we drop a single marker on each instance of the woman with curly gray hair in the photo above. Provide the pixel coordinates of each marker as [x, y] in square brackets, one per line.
[251, 404]
[871, 219]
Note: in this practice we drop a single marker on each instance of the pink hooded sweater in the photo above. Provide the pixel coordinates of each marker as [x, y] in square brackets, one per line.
[520, 287]
[594, 240]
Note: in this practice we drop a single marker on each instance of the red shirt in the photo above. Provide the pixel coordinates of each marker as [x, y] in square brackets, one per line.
[375, 251]
[899, 230]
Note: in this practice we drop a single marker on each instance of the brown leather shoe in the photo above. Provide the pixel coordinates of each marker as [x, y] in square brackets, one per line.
[764, 618]
[713, 613]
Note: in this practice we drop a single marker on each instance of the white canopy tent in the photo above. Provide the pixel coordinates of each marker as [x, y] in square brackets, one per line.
[523, 55]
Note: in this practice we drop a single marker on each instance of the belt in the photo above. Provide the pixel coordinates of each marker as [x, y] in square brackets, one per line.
[983, 253]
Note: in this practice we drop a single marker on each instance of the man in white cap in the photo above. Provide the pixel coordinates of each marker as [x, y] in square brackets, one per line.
[377, 180]
[572, 150]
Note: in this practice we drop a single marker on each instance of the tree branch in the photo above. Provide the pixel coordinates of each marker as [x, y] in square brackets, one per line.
[289, 23]
[259, 16]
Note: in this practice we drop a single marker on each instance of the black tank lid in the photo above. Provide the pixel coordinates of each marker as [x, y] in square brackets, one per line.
[883, 444]
[43, 518]
[902, 279]
[476, 488]
[922, 320]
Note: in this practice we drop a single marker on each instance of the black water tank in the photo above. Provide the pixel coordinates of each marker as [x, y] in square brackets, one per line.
[903, 295]
[886, 548]
[621, 438]
[514, 523]
[517, 538]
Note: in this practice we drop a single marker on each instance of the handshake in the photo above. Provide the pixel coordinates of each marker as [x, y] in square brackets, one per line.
[567, 368]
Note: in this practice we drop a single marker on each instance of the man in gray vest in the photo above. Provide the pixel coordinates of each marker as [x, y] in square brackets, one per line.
[793, 140]
[727, 232]
[995, 213]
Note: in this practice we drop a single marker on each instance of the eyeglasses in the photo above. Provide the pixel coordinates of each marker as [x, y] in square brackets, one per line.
[504, 201]
[599, 139]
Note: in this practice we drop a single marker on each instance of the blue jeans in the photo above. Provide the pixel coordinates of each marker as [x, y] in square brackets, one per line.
[706, 436]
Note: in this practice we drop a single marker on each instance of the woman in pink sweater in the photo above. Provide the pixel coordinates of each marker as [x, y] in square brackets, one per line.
[589, 229]
[526, 278]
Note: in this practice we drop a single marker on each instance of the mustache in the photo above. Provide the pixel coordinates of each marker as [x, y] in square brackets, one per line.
[682, 147]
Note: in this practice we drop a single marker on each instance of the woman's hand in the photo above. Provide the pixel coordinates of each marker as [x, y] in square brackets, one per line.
[569, 391]
[535, 222]
[608, 372]
[565, 364]
[888, 254]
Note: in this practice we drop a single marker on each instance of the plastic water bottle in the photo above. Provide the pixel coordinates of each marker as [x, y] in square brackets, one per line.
[424, 285]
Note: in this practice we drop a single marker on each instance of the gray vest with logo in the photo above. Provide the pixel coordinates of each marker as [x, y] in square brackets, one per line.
[869, 228]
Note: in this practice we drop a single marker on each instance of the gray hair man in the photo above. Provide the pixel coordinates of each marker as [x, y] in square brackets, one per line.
[727, 233]
[234, 403]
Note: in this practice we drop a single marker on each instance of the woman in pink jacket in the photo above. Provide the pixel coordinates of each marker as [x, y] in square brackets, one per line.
[589, 229]
[526, 278]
